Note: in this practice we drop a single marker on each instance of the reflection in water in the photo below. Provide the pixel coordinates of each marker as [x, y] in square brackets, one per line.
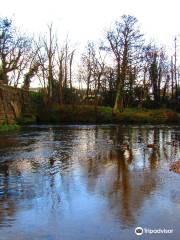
[88, 182]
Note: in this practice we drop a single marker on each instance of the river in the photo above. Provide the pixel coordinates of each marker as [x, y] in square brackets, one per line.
[89, 182]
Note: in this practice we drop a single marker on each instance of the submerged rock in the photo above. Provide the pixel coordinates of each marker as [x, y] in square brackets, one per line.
[175, 167]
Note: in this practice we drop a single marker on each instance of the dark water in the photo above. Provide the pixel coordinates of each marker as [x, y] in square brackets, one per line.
[89, 183]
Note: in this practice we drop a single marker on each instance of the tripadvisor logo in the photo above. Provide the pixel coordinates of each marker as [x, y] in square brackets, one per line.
[139, 231]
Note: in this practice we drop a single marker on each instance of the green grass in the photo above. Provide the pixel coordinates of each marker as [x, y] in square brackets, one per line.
[79, 114]
[102, 114]
[90, 114]
[6, 127]
[157, 116]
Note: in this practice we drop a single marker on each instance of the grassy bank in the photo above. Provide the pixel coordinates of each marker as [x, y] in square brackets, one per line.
[90, 114]
[155, 116]
[6, 128]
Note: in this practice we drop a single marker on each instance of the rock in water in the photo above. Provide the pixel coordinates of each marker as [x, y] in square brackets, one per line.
[175, 167]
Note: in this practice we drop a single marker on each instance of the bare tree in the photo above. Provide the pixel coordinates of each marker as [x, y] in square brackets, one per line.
[46, 62]
[125, 41]
[13, 50]
[87, 67]
[99, 67]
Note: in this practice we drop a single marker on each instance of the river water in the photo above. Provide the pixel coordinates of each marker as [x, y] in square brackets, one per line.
[89, 182]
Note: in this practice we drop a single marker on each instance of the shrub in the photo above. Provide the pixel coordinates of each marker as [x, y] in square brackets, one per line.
[6, 127]
[26, 119]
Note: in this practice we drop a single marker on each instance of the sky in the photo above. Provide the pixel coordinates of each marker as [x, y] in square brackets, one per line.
[85, 20]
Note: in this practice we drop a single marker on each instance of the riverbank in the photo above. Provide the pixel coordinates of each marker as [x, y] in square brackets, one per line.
[87, 114]
[10, 127]
[91, 114]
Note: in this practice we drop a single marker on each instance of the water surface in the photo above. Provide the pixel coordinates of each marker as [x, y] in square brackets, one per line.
[89, 182]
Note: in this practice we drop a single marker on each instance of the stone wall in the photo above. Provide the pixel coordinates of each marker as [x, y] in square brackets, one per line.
[14, 102]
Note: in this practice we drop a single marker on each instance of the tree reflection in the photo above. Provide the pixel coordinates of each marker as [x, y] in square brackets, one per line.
[113, 162]
[127, 176]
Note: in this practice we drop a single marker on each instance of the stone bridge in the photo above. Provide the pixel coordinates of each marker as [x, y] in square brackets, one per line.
[14, 102]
